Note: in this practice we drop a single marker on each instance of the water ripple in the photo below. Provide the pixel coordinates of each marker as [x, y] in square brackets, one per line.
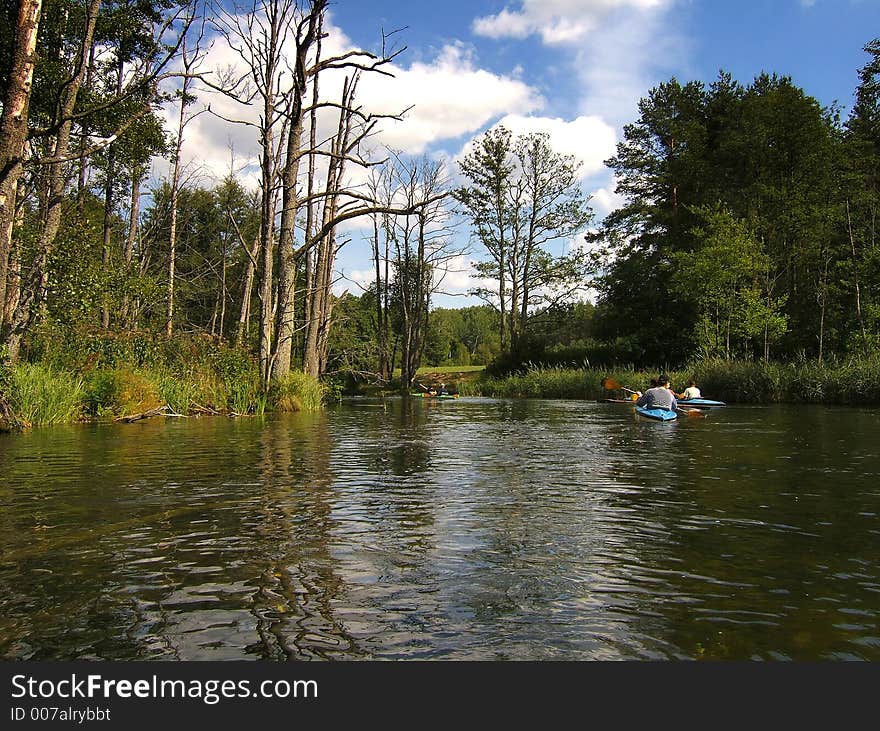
[475, 529]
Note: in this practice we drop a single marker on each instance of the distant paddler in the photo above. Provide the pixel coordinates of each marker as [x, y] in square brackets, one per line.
[692, 391]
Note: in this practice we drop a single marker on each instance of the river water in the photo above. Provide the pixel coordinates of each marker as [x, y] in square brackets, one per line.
[468, 529]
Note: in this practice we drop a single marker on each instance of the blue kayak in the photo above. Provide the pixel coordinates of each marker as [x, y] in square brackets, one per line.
[700, 403]
[658, 414]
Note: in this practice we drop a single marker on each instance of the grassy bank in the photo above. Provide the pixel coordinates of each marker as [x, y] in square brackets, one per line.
[116, 377]
[849, 382]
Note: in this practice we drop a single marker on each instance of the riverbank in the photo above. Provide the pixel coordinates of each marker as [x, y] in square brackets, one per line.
[215, 380]
[35, 394]
[847, 383]
[129, 377]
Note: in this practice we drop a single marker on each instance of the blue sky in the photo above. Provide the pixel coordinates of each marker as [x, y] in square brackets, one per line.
[575, 68]
[819, 42]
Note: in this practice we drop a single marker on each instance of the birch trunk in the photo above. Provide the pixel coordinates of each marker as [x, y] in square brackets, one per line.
[13, 131]
[34, 283]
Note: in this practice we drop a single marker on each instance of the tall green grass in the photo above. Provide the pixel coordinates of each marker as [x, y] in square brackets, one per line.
[36, 394]
[553, 382]
[84, 372]
[246, 395]
[852, 381]
[121, 392]
[39, 395]
[297, 392]
[855, 381]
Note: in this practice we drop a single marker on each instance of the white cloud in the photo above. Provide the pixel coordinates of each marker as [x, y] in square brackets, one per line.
[634, 52]
[504, 25]
[588, 138]
[605, 200]
[454, 276]
[556, 21]
[450, 97]
[457, 276]
[356, 281]
[618, 49]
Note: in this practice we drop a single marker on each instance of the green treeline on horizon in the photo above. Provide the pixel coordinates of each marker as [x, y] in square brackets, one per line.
[747, 230]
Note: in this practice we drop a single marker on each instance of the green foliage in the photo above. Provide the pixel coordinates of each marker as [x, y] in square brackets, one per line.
[464, 336]
[210, 261]
[121, 391]
[335, 387]
[352, 343]
[39, 395]
[82, 348]
[723, 279]
[638, 315]
[732, 222]
[297, 392]
[76, 278]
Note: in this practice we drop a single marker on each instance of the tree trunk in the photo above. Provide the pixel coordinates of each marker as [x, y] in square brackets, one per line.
[130, 239]
[286, 330]
[13, 130]
[318, 323]
[108, 199]
[381, 322]
[222, 294]
[822, 295]
[247, 288]
[287, 268]
[172, 226]
[35, 282]
[856, 283]
[105, 251]
[267, 254]
[13, 287]
[84, 141]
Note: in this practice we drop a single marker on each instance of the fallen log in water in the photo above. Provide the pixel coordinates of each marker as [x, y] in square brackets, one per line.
[145, 415]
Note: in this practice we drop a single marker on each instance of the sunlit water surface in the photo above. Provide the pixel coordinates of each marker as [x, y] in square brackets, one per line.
[470, 529]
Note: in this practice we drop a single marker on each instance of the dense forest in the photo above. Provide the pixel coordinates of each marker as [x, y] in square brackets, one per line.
[748, 229]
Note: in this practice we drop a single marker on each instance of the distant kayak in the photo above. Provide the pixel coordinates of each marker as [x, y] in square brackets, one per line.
[439, 396]
[700, 403]
[658, 414]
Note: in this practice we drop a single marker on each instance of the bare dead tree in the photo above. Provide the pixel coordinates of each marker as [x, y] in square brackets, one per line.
[320, 314]
[192, 53]
[259, 36]
[308, 35]
[422, 248]
[279, 43]
[380, 188]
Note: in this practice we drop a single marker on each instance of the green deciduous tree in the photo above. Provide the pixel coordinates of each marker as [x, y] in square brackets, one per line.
[723, 278]
[522, 196]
